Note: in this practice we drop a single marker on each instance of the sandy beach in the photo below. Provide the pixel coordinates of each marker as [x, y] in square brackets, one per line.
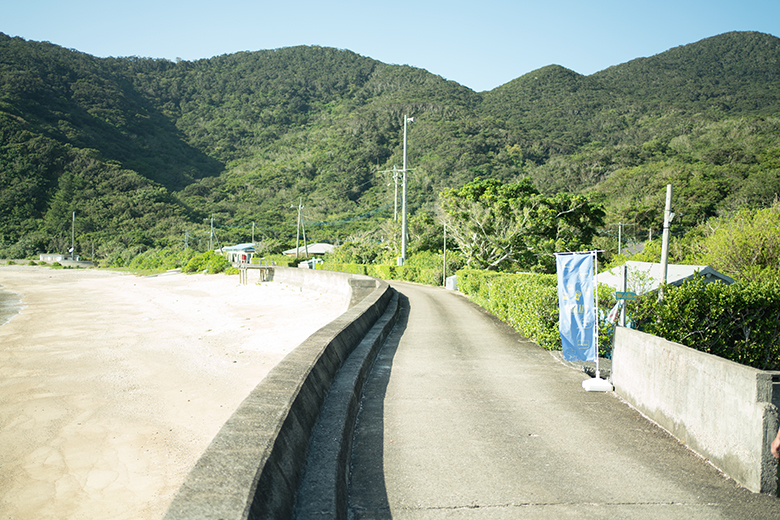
[112, 385]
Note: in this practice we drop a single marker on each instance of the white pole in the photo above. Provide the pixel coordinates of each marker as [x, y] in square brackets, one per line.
[395, 195]
[596, 384]
[668, 215]
[444, 267]
[305, 244]
[298, 228]
[73, 238]
[596, 310]
[625, 289]
[403, 202]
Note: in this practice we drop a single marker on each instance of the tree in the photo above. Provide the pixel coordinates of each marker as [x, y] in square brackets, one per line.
[745, 245]
[498, 225]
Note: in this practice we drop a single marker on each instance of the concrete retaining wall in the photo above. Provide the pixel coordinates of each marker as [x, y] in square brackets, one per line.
[724, 411]
[253, 466]
[353, 287]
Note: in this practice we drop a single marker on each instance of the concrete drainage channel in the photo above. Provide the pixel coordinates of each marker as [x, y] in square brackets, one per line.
[294, 430]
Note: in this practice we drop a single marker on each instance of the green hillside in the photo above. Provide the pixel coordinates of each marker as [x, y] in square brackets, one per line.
[146, 151]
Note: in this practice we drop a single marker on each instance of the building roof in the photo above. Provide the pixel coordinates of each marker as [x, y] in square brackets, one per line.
[644, 277]
[314, 249]
[249, 247]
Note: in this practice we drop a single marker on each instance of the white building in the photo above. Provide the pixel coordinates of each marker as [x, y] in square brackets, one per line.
[58, 257]
[239, 253]
[311, 249]
[644, 277]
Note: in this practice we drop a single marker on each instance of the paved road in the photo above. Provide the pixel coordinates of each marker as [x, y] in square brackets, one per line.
[464, 418]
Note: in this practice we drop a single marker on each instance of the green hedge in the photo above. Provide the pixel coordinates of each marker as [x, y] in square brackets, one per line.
[739, 322]
[389, 272]
[527, 302]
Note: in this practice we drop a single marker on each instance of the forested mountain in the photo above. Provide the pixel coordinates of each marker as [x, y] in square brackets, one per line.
[146, 150]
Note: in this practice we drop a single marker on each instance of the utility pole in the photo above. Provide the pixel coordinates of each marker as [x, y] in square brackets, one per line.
[253, 233]
[395, 194]
[620, 236]
[402, 259]
[668, 216]
[305, 244]
[211, 235]
[298, 229]
[444, 266]
[73, 238]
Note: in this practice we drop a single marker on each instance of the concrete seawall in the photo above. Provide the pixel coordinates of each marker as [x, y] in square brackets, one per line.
[253, 467]
[724, 411]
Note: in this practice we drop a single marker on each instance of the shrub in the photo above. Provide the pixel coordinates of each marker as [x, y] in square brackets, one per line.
[162, 259]
[739, 322]
[209, 262]
[271, 259]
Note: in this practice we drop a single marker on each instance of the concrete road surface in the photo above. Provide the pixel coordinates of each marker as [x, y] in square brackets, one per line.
[464, 418]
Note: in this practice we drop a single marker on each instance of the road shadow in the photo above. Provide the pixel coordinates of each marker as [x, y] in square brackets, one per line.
[367, 488]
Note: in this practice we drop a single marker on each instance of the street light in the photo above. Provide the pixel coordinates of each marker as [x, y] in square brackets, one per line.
[402, 259]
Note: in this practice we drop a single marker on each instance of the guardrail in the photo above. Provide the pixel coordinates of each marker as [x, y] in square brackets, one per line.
[254, 465]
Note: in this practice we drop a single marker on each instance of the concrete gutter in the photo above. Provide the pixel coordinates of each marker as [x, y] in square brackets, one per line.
[323, 492]
[253, 467]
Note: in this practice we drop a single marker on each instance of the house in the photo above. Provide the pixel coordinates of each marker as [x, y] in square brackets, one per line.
[644, 277]
[312, 249]
[58, 257]
[239, 253]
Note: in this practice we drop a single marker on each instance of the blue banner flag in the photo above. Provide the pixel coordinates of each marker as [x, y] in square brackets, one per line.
[576, 306]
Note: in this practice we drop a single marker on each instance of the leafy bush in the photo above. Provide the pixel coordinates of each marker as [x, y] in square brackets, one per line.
[209, 262]
[739, 322]
[162, 259]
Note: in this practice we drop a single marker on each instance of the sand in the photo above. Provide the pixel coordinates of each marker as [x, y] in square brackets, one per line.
[112, 385]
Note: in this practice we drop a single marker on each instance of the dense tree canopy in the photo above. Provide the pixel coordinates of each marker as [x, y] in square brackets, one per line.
[501, 225]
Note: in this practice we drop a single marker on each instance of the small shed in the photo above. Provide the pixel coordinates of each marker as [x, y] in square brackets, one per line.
[644, 277]
[313, 250]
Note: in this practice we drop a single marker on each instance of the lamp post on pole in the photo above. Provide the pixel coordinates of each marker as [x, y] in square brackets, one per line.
[402, 259]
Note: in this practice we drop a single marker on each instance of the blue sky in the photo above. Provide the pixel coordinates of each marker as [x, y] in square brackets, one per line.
[478, 44]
